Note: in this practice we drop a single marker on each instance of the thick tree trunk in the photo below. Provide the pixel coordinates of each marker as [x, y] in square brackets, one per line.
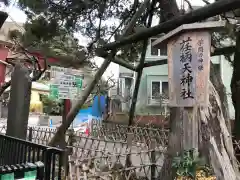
[235, 88]
[218, 140]
[216, 80]
[214, 138]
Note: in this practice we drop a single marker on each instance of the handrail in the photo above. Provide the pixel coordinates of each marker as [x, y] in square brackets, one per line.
[29, 142]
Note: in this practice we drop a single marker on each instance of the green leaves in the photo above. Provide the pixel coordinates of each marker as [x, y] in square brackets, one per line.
[50, 105]
[188, 163]
[96, 20]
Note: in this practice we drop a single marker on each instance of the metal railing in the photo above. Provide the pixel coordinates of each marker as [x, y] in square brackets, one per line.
[158, 101]
[18, 151]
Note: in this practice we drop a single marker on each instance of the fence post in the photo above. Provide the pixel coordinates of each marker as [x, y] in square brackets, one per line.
[68, 151]
[30, 135]
[153, 159]
[129, 144]
[47, 163]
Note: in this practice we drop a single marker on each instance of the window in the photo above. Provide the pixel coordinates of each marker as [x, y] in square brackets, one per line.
[154, 51]
[155, 89]
[158, 52]
[216, 68]
[163, 50]
[128, 84]
[159, 88]
[165, 88]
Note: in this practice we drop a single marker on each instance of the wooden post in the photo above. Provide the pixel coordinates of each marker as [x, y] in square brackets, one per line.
[190, 127]
[18, 107]
[66, 109]
[153, 159]
[30, 134]
[129, 144]
[188, 72]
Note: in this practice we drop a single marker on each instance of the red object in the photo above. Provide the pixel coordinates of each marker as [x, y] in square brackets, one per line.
[41, 59]
[3, 56]
[87, 132]
[67, 105]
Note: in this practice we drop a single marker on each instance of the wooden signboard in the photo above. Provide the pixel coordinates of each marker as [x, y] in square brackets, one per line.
[188, 69]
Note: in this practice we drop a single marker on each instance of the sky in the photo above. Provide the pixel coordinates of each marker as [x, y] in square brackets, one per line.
[19, 16]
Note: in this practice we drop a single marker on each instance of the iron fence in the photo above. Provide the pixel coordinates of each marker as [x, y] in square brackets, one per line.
[18, 151]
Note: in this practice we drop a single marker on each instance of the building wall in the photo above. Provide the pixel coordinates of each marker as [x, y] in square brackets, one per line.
[161, 73]
[149, 74]
[144, 94]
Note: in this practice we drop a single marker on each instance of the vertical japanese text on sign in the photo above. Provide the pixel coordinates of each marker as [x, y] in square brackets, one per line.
[200, 54]
[186, 68]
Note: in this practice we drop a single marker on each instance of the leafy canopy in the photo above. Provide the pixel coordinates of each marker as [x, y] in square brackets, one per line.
[100, 21]
[62, 46]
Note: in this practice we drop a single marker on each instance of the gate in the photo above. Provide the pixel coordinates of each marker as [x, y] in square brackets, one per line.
[15, 151]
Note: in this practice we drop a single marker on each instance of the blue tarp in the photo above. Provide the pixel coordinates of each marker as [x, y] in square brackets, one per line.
[95, 111]
[98, 108]
[82, 116]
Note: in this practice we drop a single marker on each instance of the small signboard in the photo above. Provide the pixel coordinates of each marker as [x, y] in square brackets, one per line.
[189, 62]
[188, 69]
[55, 70]
[65, 83]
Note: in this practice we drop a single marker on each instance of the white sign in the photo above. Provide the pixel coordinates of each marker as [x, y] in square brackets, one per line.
[65, 83]
[55, 71]
[188, 69]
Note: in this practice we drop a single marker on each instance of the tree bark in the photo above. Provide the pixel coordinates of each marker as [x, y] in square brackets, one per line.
[216, 139]
[235, 88]
[216, 80]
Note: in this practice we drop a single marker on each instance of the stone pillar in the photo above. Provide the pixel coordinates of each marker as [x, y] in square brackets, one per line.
[18, 107]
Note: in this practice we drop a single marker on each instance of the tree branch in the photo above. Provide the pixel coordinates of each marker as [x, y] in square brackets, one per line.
[141, 66]
[34, 78]
[75, 109]
[223, 51]
[39, 71]
[135, 17]
[216, 52]
[200, 14]
[124, 64]
[189, 4]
